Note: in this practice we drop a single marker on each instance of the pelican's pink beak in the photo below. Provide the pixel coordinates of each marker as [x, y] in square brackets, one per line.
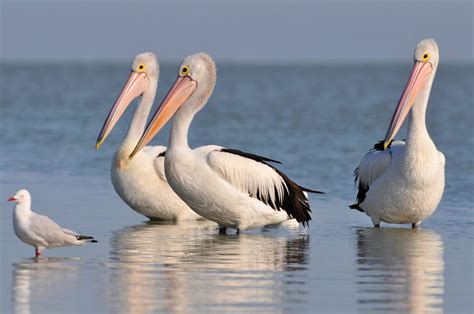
[136, 84]
[182, 89]
[418, 78]
[12, 199]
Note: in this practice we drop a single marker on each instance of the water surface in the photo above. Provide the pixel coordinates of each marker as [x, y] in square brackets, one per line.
[317, 120]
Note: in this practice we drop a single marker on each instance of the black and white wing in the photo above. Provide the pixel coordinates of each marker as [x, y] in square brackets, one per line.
[254, 175]
[371, 167]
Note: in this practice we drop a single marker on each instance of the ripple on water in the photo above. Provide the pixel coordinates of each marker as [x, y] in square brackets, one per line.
[196, 267]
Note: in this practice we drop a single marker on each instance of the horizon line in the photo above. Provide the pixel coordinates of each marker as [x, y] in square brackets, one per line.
[226, 61]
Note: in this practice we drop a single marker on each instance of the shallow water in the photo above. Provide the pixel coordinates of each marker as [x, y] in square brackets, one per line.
[317, 120]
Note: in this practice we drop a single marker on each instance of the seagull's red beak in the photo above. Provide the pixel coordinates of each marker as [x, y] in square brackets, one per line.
[11, 199]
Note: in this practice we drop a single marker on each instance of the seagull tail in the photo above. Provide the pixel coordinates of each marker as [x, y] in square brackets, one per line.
[84, 238]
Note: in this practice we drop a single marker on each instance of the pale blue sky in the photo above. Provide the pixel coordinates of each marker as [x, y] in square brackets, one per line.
[240, 31]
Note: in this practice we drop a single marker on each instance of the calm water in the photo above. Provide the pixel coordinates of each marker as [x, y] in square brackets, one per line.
[318, 121]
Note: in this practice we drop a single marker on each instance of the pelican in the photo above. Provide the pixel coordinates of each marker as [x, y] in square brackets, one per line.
[141, 182]
[232, 188]
[402, 181]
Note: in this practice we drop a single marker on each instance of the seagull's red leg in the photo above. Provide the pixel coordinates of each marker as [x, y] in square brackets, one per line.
[37, 252]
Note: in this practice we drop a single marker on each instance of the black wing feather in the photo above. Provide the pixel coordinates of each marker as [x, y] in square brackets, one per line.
[361, 193]
[248, 155]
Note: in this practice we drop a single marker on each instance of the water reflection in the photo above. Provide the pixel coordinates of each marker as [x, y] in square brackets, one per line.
[189, 267]
[41, 280]
[400, 270]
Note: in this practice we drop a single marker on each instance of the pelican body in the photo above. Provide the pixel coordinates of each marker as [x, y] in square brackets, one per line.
[402, 182]
[230, 187]
[141, 182]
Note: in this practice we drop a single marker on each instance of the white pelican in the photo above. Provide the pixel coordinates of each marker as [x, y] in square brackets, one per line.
[141, 182]
[233, 188]
[403, 181]
[38, 230]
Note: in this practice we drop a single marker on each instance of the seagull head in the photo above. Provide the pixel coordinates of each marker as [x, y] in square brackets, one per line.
[20, 197]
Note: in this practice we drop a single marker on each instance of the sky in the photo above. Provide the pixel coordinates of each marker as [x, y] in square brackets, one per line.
[263, 31]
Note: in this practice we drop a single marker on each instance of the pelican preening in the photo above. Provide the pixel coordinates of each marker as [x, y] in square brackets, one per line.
[403, 181]
[141, 182]
[232, 188]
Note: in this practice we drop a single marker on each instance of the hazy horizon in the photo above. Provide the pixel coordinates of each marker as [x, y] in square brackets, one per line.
[234, 32]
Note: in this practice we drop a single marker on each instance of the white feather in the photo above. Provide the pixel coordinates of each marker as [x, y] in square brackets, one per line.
[374, 163]
[38, 230]
[248, 176]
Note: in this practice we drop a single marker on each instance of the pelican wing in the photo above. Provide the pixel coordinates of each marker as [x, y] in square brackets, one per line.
[252, 174]
[374, 163]
[157, 153]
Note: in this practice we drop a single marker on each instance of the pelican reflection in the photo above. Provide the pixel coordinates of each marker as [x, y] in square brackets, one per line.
[400, 270]
[188, 266]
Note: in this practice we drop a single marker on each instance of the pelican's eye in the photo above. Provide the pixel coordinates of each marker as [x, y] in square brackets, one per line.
[184, 70]
[425, 57]
[141, 68]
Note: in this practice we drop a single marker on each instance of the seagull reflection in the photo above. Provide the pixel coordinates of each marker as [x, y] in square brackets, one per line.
[400, 270]
[41, 280]
[189, 267]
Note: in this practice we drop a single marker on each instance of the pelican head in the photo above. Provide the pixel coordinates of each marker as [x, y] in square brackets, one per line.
[144, 69]
[194, 85]
[426, 61]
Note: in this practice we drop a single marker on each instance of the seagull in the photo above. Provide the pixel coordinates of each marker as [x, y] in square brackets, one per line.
[39, 230]
[402, 182]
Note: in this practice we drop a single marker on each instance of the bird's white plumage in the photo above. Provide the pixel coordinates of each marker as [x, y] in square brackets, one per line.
[50, 232]
[38, 230]
[216, 197]
[374, 163]
[405, 183]
[141, 182]
[248, 176]
[233, 188]
[410, 188]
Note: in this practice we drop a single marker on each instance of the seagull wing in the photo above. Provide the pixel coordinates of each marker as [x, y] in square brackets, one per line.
[46, 229]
